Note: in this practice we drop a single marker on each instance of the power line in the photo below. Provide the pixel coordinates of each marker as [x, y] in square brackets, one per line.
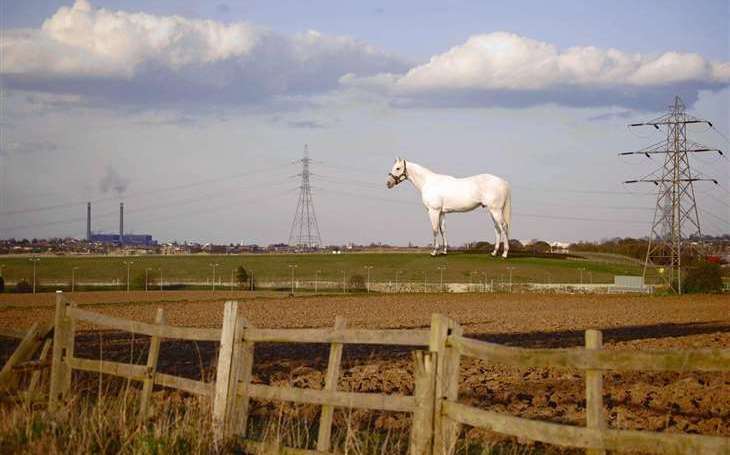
[145, 193]
[576, 218]
[111, 214]
[720, 133]
[528, 215]
[722, 220]
[578, 191]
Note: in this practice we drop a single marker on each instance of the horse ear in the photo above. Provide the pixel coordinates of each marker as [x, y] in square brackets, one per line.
[397, 158]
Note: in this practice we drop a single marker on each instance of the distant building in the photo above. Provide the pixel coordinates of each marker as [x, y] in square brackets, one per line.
[129, 239]
[120, 239]
[560, 247]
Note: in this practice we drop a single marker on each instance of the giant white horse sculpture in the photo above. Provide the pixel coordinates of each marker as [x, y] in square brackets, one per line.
[442, 194]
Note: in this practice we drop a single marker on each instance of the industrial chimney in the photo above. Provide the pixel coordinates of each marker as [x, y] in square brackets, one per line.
[121, 224]
[88, 221]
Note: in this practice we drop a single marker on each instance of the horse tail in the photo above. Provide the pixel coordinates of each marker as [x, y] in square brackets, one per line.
[507, 209]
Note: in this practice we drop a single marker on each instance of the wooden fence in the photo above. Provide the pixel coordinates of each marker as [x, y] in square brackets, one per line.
[595, 437]
[437, 415]
[20, 360]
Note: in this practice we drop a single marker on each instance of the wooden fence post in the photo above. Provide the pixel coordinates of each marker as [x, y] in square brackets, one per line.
[149, 382]
[422, 430]
[63, 351]
[594, 390]
[244, 351]
[330, 383]
[226, 382]
[446, 431]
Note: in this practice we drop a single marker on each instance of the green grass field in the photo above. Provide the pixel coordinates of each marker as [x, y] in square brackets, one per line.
[459, 267]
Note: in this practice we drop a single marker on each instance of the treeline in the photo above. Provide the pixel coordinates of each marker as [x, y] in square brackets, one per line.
[636, 248]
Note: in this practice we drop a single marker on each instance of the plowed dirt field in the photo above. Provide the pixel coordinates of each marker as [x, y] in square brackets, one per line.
[691, 402]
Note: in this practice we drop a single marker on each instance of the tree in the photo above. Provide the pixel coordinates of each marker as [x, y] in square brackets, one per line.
[516, 245]
[357, 283]
[242, 276]
[705, 277]
[482, 246]
[540, 246]
[23, 287]
[138, 280]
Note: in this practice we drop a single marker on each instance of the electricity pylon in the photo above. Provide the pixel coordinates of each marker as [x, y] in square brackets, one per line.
[304, 231]
[676, 216]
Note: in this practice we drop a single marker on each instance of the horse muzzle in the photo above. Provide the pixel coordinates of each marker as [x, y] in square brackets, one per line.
[391, 182]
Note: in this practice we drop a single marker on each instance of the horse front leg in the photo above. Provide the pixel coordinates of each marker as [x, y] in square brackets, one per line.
[442, 228]
[435, 216]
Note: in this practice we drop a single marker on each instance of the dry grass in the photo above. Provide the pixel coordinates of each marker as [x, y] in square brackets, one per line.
[107, 423]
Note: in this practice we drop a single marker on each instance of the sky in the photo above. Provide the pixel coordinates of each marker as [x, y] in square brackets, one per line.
[194, 113]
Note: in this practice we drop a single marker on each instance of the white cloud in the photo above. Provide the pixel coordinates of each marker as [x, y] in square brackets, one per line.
[505, 62]
[143, 59]
[81, 40]
[179, 57]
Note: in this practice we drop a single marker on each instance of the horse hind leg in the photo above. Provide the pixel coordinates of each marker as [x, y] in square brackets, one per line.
[500, 230]
[501, 225]
[442, 228]
[435, 217]
[506, 240]
[498, 238]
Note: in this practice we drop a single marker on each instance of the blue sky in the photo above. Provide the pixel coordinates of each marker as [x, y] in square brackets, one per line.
[196, 110]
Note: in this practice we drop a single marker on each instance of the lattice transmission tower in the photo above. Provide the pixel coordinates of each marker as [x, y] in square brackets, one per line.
[304, 231]
[676, 216]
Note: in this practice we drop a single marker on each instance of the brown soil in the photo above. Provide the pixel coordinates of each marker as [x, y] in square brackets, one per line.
[690, 403]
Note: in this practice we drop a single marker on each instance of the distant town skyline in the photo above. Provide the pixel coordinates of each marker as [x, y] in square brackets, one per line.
[192, 113]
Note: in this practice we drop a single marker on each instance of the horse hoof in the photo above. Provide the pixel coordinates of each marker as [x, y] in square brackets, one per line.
[504, 256]
[434, 254]
[494, 253]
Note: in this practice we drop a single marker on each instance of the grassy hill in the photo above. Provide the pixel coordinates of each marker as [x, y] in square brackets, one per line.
[460, 267]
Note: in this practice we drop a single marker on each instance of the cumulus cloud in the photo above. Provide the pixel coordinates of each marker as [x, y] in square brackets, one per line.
[138, 58]
[505, 68]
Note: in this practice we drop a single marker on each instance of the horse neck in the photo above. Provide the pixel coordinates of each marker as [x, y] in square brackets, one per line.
[418, 174]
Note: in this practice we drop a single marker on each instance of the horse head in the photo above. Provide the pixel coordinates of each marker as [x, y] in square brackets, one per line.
[398, 173]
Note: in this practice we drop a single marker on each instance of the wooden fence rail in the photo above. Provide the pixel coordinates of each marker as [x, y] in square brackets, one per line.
[437, 414]
[154, 330]
[573, 436]
[10, 333]
[695, 360]
[30, 341]
[595, 437]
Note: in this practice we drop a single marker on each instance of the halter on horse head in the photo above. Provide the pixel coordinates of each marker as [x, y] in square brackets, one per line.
[396, 179]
